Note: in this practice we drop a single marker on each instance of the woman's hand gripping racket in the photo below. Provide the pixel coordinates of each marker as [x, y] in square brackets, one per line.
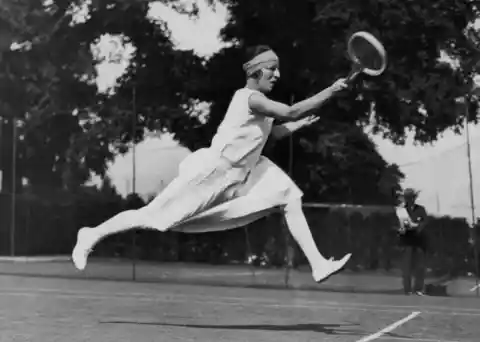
[367, 54]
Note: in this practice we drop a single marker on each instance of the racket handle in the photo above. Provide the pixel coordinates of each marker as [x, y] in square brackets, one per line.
[352, 75]
[354, 72]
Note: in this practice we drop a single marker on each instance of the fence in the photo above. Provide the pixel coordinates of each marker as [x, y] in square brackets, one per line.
[49, 226]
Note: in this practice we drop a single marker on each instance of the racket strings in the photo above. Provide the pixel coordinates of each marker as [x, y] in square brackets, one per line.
[366, 54]
[366, 51]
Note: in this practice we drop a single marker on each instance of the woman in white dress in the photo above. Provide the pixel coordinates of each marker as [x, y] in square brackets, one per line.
[230, 184]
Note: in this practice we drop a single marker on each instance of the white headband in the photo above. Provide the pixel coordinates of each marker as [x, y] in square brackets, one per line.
[260, 61]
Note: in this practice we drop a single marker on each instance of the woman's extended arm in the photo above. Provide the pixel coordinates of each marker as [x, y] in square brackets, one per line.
[262, 105]
[286, 129]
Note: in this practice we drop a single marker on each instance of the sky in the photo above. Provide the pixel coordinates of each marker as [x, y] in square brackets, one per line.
[439, 171]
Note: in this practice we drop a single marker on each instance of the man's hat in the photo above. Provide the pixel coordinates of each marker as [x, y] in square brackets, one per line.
[411, 193]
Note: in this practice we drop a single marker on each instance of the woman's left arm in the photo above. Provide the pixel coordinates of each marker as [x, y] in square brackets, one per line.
[286, 129]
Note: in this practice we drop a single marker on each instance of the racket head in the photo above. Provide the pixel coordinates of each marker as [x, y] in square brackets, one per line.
[367, 52]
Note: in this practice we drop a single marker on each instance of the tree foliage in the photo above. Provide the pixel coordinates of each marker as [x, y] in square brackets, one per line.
[418, 89]
[159, 80]
[46, 78]
[417, 92]
[67, 129]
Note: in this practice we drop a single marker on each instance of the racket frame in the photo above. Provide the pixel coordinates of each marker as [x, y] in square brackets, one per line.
[357, 67]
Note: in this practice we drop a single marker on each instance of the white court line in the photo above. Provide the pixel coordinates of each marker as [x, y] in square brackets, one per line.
[410, 339]
[234, 301]
[241, 301]
[389, 328]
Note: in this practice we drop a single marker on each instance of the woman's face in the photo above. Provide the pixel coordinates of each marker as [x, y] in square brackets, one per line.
[268, 77]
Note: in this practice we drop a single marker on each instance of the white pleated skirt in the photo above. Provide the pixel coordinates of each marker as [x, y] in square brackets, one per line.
[210, 195]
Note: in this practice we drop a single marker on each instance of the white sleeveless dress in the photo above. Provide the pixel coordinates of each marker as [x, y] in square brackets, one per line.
[229, 184]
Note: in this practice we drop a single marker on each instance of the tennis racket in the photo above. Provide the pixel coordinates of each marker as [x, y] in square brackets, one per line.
[367, 54]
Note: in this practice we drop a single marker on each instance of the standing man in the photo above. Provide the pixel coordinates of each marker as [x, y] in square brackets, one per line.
[413, 239]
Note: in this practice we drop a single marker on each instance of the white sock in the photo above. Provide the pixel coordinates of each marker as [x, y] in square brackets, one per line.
[142, 218]
[298, 226]
[123, 221]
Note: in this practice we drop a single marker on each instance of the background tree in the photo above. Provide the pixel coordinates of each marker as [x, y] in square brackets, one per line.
[418, 89]
[46, 78]
[67, 129]
[49, 75]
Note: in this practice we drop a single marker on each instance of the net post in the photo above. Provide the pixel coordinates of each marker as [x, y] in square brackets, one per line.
[249, 253]
[473, 236]
[287, 260]
[285, 230]
[466, 101]
[134, 256]
[134, 180]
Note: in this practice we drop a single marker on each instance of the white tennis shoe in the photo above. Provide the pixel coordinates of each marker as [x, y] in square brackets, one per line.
[331, 268]
[86, 239]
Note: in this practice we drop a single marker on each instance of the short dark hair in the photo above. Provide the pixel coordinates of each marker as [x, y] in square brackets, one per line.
[254, 51]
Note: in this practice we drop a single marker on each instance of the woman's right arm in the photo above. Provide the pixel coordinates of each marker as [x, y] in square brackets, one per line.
[262, 105]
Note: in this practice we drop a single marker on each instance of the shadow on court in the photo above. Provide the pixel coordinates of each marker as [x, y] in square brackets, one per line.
[327, 329]
[36, 309]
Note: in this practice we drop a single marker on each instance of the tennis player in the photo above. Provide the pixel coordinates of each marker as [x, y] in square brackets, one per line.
[230, 184]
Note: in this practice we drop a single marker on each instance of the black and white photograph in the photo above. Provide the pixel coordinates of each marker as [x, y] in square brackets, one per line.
[239, 170]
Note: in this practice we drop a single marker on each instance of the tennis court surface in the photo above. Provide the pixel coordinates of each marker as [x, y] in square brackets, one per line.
[34, 308]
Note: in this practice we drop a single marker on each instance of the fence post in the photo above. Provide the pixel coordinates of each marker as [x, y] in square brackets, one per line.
[249, 254]
[288, 261]
[473, 230]
[285, 230]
